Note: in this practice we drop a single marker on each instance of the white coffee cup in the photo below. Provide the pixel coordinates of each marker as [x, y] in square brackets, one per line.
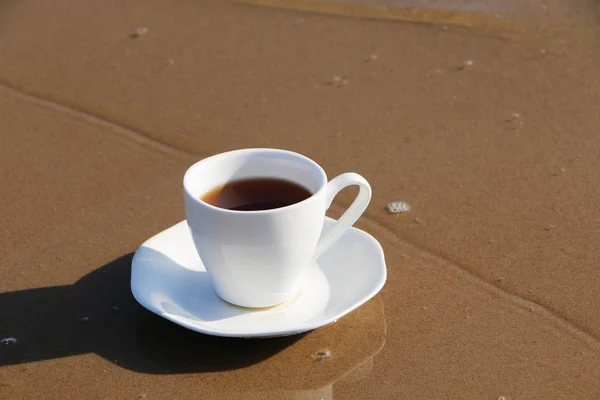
[259, 258]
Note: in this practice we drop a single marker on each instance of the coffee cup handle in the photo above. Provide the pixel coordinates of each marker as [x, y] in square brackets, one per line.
[356, 209]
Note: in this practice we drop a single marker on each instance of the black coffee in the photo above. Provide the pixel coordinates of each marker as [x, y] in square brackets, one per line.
[256, 194]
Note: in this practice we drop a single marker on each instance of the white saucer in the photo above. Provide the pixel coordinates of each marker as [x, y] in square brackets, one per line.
[168, 278]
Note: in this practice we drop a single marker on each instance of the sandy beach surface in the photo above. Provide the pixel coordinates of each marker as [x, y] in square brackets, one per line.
[482, 115]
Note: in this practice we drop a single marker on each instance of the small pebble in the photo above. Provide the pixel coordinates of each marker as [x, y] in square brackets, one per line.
[501, 398]
[8, 341]
[337, 81]
[140, 31]
[84, 319]
[397, 207]
[434, 72]
[466, 64]
[322, 355]
[373, 57]
[514, 117]
[116, 309]
[444, 27]
[141, 395]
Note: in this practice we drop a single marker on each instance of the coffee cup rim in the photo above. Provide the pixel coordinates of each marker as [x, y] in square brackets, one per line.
[199, 201]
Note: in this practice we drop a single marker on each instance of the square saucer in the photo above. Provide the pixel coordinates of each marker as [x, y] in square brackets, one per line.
[169, 279]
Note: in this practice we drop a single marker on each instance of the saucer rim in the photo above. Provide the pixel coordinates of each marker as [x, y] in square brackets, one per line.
[183, 321]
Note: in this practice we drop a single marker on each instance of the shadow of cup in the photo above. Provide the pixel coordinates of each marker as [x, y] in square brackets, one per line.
[98, 314]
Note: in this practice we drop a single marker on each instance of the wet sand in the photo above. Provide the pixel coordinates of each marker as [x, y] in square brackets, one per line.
[492, 275]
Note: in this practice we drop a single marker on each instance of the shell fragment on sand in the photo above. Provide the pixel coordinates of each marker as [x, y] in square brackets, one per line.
[398, 207]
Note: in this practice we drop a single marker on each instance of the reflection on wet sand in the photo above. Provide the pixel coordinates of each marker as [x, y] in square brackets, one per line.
[463, 13]
[302, 367]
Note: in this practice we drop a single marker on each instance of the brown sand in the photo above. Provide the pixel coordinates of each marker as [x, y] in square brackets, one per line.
[493, 275]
